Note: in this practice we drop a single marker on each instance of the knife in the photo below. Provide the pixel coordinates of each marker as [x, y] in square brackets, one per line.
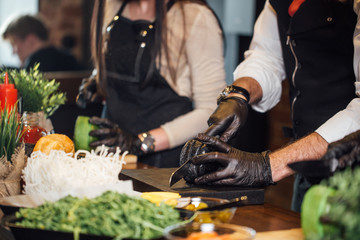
[236, 202]
[315, 168]
[179, 173]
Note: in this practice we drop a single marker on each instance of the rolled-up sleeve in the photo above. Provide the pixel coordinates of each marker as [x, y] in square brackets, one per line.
[264, 61]
[347, 120]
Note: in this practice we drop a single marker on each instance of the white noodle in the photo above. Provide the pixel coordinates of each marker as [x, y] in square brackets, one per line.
[60, 171]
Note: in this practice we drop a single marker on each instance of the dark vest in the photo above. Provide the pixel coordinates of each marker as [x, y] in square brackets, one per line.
[319, 37]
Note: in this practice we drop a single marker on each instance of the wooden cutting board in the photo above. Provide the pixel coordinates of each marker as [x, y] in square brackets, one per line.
[157, 179]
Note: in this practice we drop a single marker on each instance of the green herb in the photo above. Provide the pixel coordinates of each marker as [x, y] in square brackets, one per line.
[37, 92]
[344, 211]
[111, 214]
[9, 132]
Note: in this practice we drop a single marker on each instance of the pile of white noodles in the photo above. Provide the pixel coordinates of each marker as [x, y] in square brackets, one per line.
[60, 171]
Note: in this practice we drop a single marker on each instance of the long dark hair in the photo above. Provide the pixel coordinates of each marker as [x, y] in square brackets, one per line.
[159, 39]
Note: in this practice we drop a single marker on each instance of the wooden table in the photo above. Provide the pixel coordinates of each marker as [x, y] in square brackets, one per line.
[266, 217]
[262, 218]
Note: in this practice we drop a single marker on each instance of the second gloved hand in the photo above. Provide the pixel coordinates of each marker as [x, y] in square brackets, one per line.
[112, 136]
[238, 167]
[230, 115]
[88, 92]
[346, 151]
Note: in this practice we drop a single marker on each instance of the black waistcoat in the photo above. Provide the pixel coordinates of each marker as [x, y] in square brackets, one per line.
[317, 45]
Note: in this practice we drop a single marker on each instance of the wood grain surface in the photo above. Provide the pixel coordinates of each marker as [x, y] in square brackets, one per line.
[291, 234]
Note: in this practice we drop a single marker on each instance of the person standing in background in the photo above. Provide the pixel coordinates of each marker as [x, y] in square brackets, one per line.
[160, 66]
[29, 39]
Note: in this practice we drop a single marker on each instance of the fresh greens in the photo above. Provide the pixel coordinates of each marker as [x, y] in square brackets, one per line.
[37, 92]
[344, 211]
[111, 214]
[9, 132]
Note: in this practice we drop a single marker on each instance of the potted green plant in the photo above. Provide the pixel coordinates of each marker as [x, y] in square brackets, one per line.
[12, 152]
[37, 93]
[39, 99]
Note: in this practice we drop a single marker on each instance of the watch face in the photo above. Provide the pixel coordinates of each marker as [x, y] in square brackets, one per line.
[225, 92]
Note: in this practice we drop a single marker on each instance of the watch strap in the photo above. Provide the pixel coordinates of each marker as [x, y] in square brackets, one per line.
[234, 89]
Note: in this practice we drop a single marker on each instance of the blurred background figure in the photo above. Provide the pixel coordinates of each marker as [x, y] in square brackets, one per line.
[28, 37]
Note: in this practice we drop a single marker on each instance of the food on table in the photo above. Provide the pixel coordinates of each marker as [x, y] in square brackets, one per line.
[110, 214]
[60, 171]
[192, 207]
[190, 150]
[34, 124]
[331, 209]
[54, 142]
[158, 197]
[194, 204]
[314, 205]
[81, 133]
[208, 236]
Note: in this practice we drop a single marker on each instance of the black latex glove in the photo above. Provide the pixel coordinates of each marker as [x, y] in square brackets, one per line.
[88, 92]
[112, 136]
[230, 115]
[191, 149]
[238, 167]
[346, 151]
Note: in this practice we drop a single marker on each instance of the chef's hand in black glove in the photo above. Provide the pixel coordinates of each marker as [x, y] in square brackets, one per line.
[88, 92]
[238, 167]
[112, 136]
[230, 115]
[346, 151]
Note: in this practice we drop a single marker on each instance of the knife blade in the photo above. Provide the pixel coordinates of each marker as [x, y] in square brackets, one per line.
[179, 173]
[315, 168]
[236, 202]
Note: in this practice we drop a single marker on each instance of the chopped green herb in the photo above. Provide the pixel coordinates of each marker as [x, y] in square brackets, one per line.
[111, 214]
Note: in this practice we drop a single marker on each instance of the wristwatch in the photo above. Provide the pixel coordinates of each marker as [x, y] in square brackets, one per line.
[233, 89]
[147, 142]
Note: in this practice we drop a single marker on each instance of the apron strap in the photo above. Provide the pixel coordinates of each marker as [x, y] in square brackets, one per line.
[170, 4]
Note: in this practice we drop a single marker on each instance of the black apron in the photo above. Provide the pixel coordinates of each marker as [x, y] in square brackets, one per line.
[321, 35]
[135, 108]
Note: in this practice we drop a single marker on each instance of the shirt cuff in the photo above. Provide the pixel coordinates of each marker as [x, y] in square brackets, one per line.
[341, 124]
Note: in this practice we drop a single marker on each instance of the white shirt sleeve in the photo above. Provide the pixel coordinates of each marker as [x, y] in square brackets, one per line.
[347, 120]
[264, 61]
[205, 70]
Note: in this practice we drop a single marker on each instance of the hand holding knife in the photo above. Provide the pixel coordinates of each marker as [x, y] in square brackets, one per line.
[179, 173]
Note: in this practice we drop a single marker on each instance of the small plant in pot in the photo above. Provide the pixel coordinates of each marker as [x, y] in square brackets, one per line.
[12, 152]
[39, 99]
